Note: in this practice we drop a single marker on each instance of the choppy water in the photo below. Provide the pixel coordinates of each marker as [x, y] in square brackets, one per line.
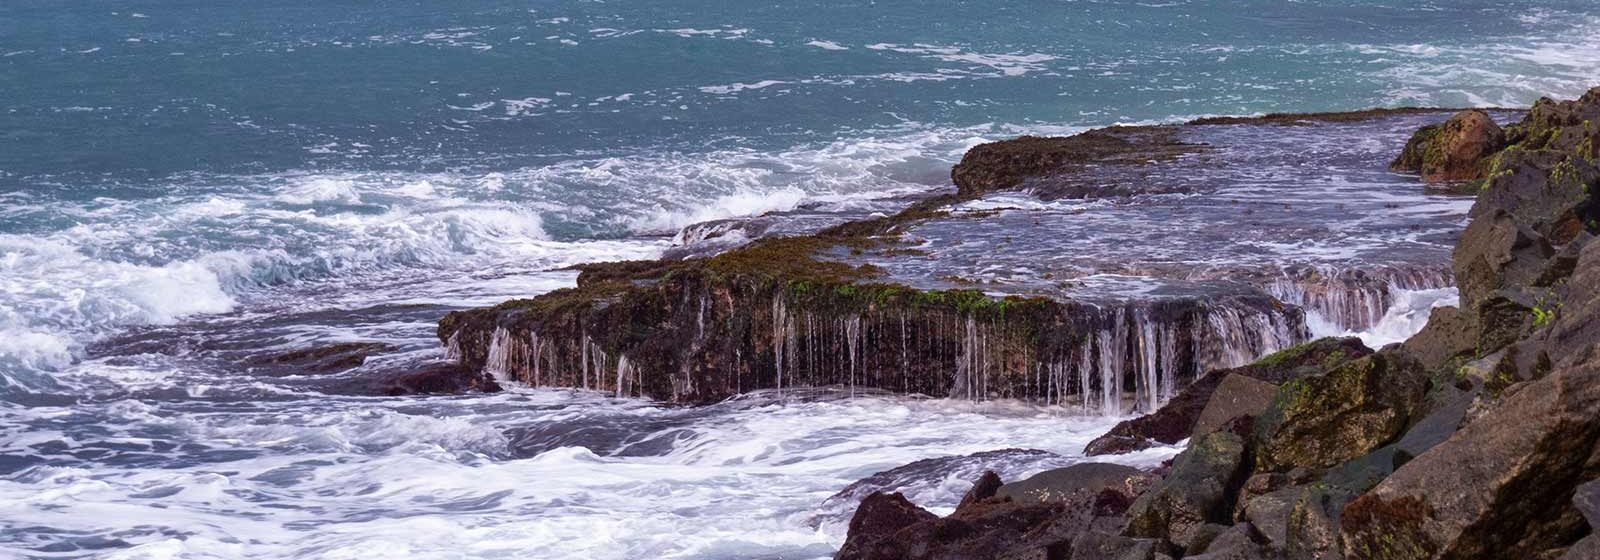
[185, 185]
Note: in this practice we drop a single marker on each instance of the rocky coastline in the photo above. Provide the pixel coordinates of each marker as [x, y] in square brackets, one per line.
[1477, 437]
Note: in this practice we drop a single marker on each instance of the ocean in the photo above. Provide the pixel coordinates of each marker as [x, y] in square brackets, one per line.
[186, 186]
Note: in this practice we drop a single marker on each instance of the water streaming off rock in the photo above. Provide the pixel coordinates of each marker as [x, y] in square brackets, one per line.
[191, 194]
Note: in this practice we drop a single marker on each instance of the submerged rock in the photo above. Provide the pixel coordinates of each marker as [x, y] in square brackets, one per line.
[320, 359]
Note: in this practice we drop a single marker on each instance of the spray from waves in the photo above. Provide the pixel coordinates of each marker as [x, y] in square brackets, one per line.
[1405, 317]
[213, 241]
[529, 470]
[1560, 58]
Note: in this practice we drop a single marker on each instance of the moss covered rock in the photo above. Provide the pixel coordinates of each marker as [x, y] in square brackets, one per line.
[1319, 422]
[1456, 150]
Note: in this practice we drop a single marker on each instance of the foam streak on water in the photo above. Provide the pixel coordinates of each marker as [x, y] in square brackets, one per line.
[555, 474]
[186, 189]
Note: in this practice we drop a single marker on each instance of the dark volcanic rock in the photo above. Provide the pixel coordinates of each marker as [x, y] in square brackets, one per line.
[1070, 513]
[1455, 150]
[1008, 164]
[1197, 491]
[878, 519]
[1175, 421]
[1321, 421]
[1104, 484]
[1501, 487]
[1449, 334]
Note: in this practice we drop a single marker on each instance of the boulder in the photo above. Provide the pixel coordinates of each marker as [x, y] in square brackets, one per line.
[1197, 491]
[1102, 484]
[1101, 546]
[1237, 543]
[1319, 422]
[1175, 421]
[878, 518]
[1587, 500]
[1449, 335]
[1269, 513]
[1238, 395]
[983, 489]
[1456, 150]
[1500, 487]
[1497, 252]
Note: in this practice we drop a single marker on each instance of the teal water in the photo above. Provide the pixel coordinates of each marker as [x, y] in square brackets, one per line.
[187, 182]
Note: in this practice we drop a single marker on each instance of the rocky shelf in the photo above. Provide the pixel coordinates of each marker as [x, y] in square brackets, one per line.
[1105, 271]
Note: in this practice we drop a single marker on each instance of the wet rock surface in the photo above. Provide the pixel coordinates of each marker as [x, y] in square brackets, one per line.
[1177, 419]
[1006, 288]
[1455, 150]
[1479, 437]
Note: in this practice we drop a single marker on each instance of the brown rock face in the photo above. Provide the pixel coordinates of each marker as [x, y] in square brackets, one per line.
[878, 518]
[1068, 513]
[1502, 487]
[1237, 396]
[1456, 150]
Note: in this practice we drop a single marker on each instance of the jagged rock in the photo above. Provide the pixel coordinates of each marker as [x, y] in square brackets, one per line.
[1500, 487]
[1197, 490]
[1576, 322]
[1587, 500]
[878, 518]
[932, 471]
[1504, 317]
[1313, 529]
[1048, 520]
[1455, 150]
[1496, 252]
[1566, 126]
[1111, 488]
[1321, 421]
[1269, 513]
[1448, 335]
[1175, 421]
[983, 489]
[1076, 482]
[1237, 395]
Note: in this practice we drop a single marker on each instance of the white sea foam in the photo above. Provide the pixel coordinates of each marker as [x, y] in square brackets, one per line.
[447, 479]
[1405, 317]
[826, 45]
